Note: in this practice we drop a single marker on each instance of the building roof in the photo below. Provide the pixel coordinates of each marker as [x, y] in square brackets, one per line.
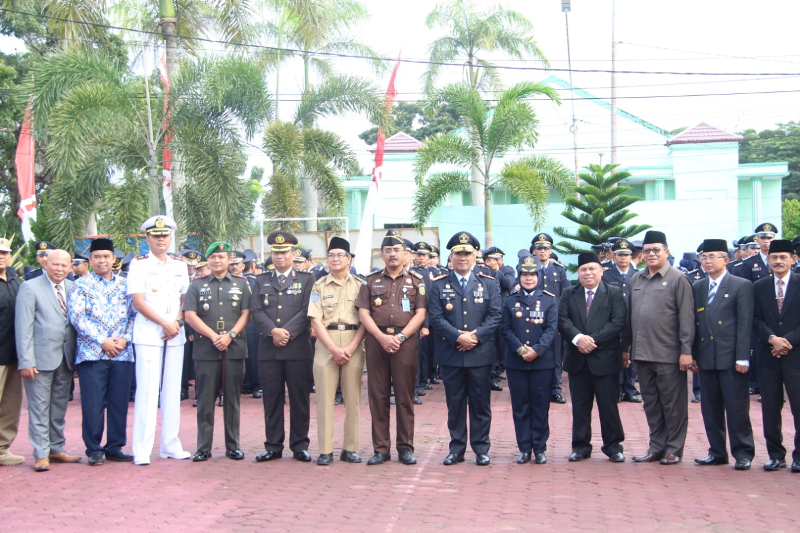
[703, 133]
[399, 142]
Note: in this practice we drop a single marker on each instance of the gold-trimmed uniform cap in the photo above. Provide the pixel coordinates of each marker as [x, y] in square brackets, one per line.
[493, 252]
[423, 247]
[463, 242]
[622, 247]
[542, 240]
[219, 246]
[5, 245]
[281, 241]
[301, 255]
[190, 257]
[392, 238]
[237, 257]
[528, 264]
[44, 247]
[766, 230]
[159, 225]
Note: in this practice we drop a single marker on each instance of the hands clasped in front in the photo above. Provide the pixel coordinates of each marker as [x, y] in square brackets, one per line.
[466, 341]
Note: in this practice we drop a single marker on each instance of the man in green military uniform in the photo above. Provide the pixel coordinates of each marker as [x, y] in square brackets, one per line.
[218, 307]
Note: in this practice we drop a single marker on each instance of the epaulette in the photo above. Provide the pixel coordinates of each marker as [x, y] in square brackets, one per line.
[559, 263]
[481, 274]
[548, 293]
[374, 273]
[437, 278]
[605, 268]
[238, 276]
[143, 256]
[415, 274]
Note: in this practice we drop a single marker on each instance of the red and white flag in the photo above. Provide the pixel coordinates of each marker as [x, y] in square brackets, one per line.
[166, 160]
[26, 183]
[363, 251]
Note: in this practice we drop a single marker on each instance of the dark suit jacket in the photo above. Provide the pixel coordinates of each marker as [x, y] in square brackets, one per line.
[272, 306]
[753, 269]
[769, 322]
[466, 314]
[607, 317]
[723, 329]
[518, 330]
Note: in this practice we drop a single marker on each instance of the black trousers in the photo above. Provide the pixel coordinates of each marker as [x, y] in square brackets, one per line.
[773, 381]
[559, 355]
[530, 405]
[187, 373]
[251, 378]
[627, 379]
[725, 394]
[473, 384]
[105, 386]
[276, 377]
[585, 388]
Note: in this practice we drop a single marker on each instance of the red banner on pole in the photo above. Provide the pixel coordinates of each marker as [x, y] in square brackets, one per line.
[166, 160]
[26, 182]
[391, 94]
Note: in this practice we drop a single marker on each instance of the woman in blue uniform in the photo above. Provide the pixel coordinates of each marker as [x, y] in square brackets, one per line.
[529, 324]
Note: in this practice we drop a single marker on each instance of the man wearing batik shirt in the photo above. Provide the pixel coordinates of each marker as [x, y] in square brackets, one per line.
[102, 314]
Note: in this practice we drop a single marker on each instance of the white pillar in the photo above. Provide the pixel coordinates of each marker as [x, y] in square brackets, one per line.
[660, 189]
[755, 185]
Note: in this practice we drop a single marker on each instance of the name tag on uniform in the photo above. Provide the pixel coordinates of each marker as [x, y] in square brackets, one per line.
[327, 296]
[406, 305]
[205, 292]
[700, 310]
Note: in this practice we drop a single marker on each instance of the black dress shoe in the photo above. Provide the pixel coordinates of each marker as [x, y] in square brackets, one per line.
[427, 386]
[416, 400]
[391, 391]
[268, 455]
[774, 464]
[670, 459]
[496, 386]
[184, 395]
[379, 458]
[452, 459]
[759, 398]
[500, 375]
[621, 397]
[258, 394]
[325, 459]
[201, 455]
[711, 460]
[557, 398]
[754, 391]
[631, 398]
[696, 399]
[236, 455]
[420, 391]
[96, 459]
[742, 464]
[350, 457]
[796, 467]
[482, 459]
[574, 457]
[338, 399]
[221, 401]
[407, 457]
[540, 458]
[524, 457]
[194, 404]
[314, 389]
[435, 380]
[616, 457]
[392, 402]
[303, 456]
[118, 455]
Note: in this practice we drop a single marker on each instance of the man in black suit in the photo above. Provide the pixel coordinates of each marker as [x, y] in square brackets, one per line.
[279, 309]
[777, 320]
[619, 275]
[464, 308]
[721, 352]
[591, 316]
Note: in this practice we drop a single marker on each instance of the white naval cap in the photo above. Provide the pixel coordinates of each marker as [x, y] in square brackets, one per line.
[159, 225]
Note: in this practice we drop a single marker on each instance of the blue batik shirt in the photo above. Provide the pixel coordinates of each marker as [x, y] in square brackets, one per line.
[99, 309]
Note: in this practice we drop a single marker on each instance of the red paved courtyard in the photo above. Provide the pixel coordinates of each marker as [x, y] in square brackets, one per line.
[285, 495]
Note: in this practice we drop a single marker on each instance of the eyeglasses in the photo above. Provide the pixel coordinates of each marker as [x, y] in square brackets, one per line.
[396, 250]
[711, 257]
[338, 256]
[648, 251]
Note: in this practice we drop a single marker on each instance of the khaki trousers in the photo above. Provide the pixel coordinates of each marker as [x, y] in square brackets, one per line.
[326, 378]
[10, 405]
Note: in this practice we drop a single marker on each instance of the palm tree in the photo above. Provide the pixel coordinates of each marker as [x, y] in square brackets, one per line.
[492, 132]
[92, 111]
[469, 36]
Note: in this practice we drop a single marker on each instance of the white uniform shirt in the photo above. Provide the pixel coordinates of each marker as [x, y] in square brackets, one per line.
[162, 285]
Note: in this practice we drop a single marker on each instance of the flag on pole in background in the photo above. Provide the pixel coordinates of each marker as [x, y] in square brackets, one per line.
[26, 183]
[363, 258]
[166, 164]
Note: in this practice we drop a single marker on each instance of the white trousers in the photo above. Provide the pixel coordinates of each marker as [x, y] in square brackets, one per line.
[148, 378]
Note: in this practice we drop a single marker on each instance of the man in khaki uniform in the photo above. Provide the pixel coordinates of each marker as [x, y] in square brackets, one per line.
[338, 351]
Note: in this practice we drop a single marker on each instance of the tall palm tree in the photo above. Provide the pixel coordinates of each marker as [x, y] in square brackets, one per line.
[493, 132]
[91, 109]
[469, 36]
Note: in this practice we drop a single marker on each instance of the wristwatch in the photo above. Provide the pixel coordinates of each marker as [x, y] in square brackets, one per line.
[401, 337]
[181, 322]
[233, 334]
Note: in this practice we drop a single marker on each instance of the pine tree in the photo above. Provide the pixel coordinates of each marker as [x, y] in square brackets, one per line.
[600, 210]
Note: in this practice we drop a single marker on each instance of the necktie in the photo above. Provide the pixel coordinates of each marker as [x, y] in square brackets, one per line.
[61, 301]
[624, 277]
[281, 279]
[712, 291]
[588, 302]
[780, 295]
[463, 284]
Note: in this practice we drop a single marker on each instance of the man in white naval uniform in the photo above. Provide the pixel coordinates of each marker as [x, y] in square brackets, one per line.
[157, 285]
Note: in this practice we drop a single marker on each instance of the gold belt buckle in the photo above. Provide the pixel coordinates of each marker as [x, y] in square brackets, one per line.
[340, 327]
[390, 330]
[220, 325]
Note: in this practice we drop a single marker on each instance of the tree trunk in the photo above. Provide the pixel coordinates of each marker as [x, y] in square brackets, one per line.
[476, 186]
[487, 217]
[309, 191]
[155, 180]
[169, 31]
[91, 224]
